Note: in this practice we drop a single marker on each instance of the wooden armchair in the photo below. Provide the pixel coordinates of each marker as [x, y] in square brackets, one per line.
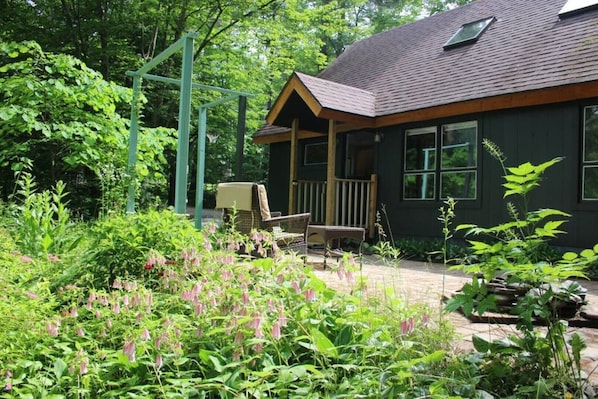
[248, 204]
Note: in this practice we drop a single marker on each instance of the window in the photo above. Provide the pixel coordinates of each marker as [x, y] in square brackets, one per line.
[315, 154]
[590, 153]
[441, 162]
[576, 6]
[468, 33]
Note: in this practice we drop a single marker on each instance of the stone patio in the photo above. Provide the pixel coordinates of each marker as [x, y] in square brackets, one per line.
[422, 282]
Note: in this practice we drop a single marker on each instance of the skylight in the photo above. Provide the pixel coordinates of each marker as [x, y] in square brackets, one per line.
[577, 6]
[469, 33]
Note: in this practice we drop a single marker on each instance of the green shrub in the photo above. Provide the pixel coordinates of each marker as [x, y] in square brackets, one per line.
[123, 244]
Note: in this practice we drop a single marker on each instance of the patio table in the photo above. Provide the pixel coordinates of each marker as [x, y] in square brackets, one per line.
[330, 233]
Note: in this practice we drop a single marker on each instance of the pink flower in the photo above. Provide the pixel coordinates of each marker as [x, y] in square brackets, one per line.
[425, 319]
[129, 350]
[117, 285]
[52, 329]
[32, 295]
[282, 318]
[53, 258]
[80, 332]
[25, 259]
[159, 361]
[83, 366]
[238, 338]
[199, 309]
[296, 287]
[407, 326]
[236, 355]
[310, 295]
[145, 335]
[276, 330]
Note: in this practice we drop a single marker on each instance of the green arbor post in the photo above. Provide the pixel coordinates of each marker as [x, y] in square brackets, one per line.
[182, 162]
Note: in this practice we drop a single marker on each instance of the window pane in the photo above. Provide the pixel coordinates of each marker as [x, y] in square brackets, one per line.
[420, 149]
[315, 154]
[590, 133]
[419, 186]
[590, 182]
[459, 145]
[458, 185]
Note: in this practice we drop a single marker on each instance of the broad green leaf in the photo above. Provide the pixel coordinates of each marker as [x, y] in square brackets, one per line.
[323, 344]
[59, 367]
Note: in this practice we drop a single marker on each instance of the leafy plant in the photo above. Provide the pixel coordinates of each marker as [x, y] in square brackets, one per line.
[41, 219]
[122, 243]
[210, 323]
[515, 248]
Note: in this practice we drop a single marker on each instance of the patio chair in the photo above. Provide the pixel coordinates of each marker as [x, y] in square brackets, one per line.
[245, 205]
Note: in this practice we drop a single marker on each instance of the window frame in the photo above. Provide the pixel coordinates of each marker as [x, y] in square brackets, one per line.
[585, 163]
[438, 170]
[455, 41]
[306, 153]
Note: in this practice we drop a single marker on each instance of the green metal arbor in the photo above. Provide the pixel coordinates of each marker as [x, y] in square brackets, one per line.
[186, 84]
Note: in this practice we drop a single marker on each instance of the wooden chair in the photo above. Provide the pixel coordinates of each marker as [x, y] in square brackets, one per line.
[245, 205]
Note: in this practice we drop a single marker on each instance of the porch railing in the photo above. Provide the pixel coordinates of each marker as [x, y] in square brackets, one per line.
[355, 201]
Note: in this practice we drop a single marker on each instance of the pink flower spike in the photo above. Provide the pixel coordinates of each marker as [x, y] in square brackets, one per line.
[310, 295]
[159, 361]
[145, 335]
[25, 259]
[52, 329]
[53, 258]
[238, 338]
[282, 319]
[276, 330]
[129, 350]
[83, 367]
[296, 287]
[80, 332]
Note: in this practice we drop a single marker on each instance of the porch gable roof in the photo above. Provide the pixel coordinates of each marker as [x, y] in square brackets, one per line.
[324, 98]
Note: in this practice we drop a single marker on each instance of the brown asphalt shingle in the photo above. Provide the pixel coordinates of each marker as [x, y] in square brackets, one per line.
[339, 97]
[526, 48]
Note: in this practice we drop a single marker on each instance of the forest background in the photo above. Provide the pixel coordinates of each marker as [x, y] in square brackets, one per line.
[66, 122]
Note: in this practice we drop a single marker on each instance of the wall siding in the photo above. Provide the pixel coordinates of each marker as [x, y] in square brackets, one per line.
[534, 134]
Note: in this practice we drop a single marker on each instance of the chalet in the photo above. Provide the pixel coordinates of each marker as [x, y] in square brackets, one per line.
[399, 118]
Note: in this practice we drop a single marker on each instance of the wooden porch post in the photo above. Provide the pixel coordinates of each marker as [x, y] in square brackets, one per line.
[293, 166]
[331, 175]
[372, 204]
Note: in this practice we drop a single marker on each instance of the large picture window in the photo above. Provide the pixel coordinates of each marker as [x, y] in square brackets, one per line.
[453, 173]
[590, 153]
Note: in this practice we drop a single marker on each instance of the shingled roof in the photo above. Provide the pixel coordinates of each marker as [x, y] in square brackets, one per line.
[403, 71]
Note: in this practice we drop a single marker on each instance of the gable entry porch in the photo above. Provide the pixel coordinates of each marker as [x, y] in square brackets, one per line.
[347, 194]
